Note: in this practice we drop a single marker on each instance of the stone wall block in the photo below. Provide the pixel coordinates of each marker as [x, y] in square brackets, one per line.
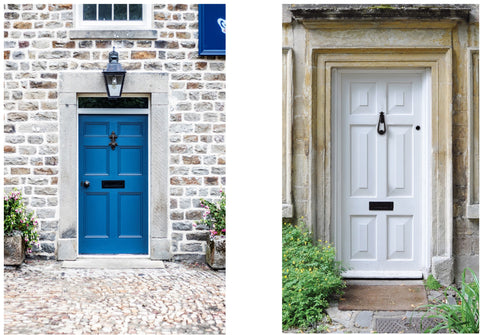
[16, 117]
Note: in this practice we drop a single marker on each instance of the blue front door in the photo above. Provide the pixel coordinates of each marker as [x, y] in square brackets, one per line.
[113, 191]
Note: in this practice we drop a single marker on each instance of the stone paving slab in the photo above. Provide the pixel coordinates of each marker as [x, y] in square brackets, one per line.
[113, 263]
[41, 297]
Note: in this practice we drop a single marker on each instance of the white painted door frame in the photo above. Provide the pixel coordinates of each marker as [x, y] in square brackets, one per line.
[424, 257]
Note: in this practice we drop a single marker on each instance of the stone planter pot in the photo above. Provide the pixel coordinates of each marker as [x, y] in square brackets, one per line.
[13, 250]
[215, 255]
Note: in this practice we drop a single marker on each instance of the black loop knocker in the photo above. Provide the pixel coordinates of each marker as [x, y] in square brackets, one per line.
[112, 143]
[381, 127]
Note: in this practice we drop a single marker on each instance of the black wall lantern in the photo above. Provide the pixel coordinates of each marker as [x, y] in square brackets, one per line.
[114, 76]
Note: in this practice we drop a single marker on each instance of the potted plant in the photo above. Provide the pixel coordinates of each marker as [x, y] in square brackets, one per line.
[214, 219]
[20, 229]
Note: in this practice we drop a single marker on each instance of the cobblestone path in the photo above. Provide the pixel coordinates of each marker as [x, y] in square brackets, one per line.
[43, 298]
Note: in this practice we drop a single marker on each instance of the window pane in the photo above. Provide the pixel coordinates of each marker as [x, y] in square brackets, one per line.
[135, 12]
[100, 102]
[104, 12]
[90, 12]
[120, 12]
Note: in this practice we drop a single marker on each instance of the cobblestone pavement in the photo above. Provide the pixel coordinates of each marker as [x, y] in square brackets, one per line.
[41, 297]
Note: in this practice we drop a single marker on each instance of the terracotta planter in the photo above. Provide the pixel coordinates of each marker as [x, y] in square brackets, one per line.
[13, 250]
[216, 250]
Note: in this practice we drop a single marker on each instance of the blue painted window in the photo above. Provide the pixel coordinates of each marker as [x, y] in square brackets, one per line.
[211, 29]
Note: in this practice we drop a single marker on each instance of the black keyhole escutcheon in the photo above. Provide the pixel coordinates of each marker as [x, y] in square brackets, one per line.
[381, 127]
[417, 127]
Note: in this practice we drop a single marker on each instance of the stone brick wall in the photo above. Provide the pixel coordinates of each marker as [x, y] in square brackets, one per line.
[37, 46]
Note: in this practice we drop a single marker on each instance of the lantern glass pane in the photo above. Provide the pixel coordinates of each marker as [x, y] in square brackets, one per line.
[114, 83]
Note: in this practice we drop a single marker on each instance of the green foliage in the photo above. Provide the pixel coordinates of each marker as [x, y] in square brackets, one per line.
[310, 277]
[16, 217]
[462, 317]
[431, 283]
[214, 216]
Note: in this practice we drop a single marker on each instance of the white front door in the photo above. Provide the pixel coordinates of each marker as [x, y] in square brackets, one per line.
[379, 132]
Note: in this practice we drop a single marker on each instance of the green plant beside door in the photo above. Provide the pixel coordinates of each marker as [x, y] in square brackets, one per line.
[311, 277]
[20, 229]
[214, 218]
[461, 317]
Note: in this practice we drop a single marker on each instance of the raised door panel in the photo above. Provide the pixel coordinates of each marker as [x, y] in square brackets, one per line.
[363, 161]
[96, 219]
[363, 230]
[400, 161]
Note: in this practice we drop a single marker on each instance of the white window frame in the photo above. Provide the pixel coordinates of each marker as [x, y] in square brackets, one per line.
[146, 23]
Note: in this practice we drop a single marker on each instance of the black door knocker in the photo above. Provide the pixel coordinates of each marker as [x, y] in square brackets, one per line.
[381, 127]
[112, 143]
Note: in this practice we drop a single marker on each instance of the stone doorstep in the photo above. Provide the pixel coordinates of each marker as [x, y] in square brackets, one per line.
[113, 263]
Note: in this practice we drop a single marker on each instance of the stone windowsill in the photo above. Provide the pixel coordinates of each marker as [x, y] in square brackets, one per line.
[114, 34]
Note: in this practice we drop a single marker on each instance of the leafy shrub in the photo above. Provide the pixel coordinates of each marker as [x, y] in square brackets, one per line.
[16, 218]
[462, 317]
[431, 283]
[215, 216]
[310, 277]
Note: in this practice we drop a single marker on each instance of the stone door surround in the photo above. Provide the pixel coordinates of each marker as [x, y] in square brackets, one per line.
[74, 83]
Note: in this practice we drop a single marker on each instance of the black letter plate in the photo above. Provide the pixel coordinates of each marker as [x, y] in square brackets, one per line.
[380, 205]
[113, 183]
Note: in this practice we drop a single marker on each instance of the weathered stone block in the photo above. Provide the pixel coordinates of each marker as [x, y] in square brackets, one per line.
[191, 247]
[16, 117]
[13, 250]
[442, 270]
[194, 215]
[9, 149]
[181, 226]
[143, 54]
[160, 249]
[216, 253]
[67, 249]
[22, 25]
[174, 215]
[189, 160]
[198, 236]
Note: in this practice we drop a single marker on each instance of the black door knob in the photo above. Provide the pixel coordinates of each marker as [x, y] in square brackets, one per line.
[85, 184]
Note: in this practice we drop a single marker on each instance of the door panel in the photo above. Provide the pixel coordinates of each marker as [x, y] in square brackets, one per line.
[379, 179]
[400, 237]
[113, 215]
[363, 171]
[399, 161]
[363, 237]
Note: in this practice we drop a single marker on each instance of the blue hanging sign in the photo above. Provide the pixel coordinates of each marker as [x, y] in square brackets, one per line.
[211, 29]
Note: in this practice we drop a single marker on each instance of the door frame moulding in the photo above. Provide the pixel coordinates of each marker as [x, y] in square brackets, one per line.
[73, 84]
[438, 62]
[472, 207]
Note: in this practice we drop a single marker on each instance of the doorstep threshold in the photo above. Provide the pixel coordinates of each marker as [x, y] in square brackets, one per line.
[113, 263]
